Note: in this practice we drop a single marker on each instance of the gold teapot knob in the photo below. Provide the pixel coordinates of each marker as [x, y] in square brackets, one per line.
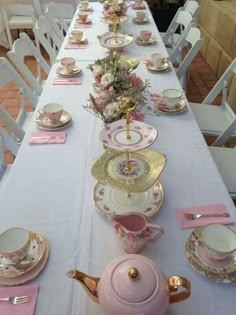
[133, 273]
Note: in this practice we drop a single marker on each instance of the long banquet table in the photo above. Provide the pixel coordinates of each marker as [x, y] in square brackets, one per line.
[49, 190]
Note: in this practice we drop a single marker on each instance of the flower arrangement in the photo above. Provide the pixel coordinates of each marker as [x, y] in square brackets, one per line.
[114, 81]
[114, 7]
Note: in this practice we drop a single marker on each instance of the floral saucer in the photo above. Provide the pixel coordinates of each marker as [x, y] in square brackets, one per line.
[141, 135]
[141, 42]
[83, 40]
[34, 255]
[61, 71]
[163, 68]
[224, 271]
[30, 274]
[162, 108]
[88, 21]
[109, 200]
[136, 21]
[46, 124]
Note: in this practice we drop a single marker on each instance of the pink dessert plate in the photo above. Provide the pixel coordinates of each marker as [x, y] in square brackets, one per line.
[220, 271]
[29, 275]
[114, 135]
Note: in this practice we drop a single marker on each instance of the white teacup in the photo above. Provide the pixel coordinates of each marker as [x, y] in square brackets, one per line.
[84, 4]
[158, 60]
[171, 97]
[77, 35]
[140, 16]
[52, 111]
[219, 241]
[145, 35]
[68, 64]
[14, 244]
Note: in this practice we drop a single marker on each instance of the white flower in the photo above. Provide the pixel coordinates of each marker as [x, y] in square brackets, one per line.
[97, 70]
[107, 79]
[112, 109]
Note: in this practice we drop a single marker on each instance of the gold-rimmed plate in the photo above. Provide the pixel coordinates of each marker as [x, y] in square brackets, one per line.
[224, 273]
[109, 200]
[163, 68]
[46, 124]
[61, 72]
[109, 20]
[160, 107]
[150, 42]
[140, 174]
[137, 21]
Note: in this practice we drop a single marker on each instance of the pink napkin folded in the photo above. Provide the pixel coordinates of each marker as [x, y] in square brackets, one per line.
[67, 81]
[27, 308]
[79, 25]
[206, 209]
[75, 46]
[47, 137]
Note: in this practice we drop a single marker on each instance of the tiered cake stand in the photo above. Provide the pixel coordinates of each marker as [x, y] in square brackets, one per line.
[127, 172]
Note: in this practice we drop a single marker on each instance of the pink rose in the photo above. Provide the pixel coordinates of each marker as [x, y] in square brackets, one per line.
[135, 81]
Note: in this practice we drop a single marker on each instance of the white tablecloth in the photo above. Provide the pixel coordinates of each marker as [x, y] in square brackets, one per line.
[49, 190]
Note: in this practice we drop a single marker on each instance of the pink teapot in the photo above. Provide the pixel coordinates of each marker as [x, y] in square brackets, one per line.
[133, 284]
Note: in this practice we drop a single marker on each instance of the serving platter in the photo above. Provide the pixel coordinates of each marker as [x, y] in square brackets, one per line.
[115, 42]
[138, 175]
[141, 135]
[109, 200]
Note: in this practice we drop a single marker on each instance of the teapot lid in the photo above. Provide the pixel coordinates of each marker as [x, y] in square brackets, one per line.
[134, 278]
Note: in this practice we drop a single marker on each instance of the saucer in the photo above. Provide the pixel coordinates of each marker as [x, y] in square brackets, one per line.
[224, 271]
[46, 124]
[75, 41]
[31, 274]
[138, 7]
[34, 255]
[141, 42]
[109, 200]
[162, 108]
[61, 71]
[163, 68]
[136, 21]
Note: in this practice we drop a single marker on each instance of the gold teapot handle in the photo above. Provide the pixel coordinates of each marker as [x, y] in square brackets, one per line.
[174, 282]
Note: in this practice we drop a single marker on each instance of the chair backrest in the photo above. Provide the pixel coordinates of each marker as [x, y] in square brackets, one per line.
[23, 47]
[38, 10]
[226, 134]
[8, 74]
[12, 135]
[58, 23]
[182, 20]
[192, 7]
[2, 158]
[192, 38]
[47, 37]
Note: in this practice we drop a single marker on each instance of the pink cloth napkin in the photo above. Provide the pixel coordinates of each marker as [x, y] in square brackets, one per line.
[27, 308]
[75, 46]
[50, 137]
[67, 81]
[79, 25]
[206, 209]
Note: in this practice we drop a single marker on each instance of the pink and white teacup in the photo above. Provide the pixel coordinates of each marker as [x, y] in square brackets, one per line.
[138, 3]
[68, 64]
[14, 244]
[83, 16]
[140, 16]
[145, 35]
[158, 59]
[134, 231]
[53, 111]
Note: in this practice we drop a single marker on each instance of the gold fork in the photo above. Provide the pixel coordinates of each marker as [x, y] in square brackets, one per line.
[196, 216]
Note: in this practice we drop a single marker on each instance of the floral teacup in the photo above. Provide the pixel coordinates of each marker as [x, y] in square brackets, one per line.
[134, 231]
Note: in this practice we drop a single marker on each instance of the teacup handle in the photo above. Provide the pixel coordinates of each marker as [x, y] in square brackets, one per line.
[158, 235]
[174, 283]
[41, 111]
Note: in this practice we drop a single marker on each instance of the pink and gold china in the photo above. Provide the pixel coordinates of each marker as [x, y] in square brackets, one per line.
[140, 16]
[172, 97]
[68, 64]
[76, 35]
[158, 59]
[145, 35]
[53, 112]
[134, 231]
[83, 17]
[133, 284]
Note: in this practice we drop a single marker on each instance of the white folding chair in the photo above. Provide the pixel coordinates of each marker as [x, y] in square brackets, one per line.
[214, 119]
[192, 43]
[58, 23]
[4, 169]
[47, 37]
[181, 21]
[23, 47]
[225, 159]
[192, 7]
[8, 74]
[16, 17]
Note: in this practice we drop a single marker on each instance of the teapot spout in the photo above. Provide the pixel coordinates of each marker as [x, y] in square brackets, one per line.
[90, 284]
